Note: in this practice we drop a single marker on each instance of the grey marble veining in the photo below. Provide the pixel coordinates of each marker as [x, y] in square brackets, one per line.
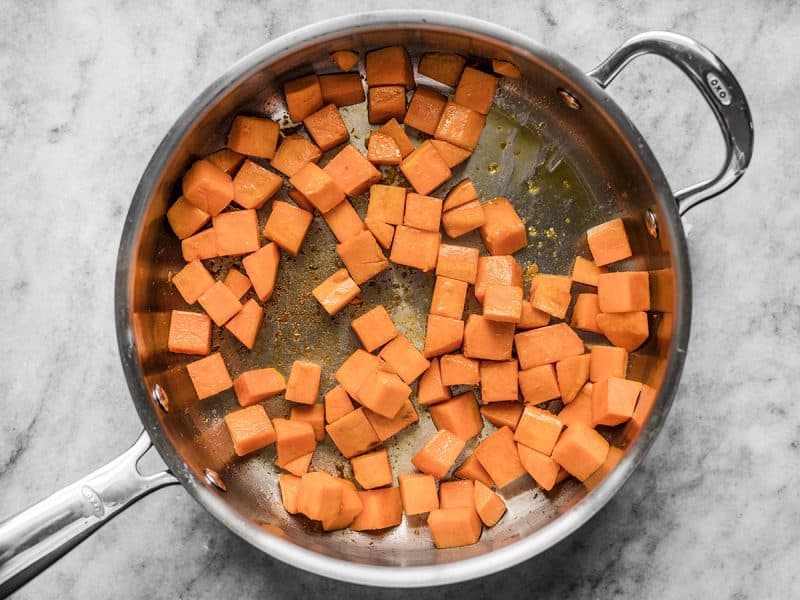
[87, 90]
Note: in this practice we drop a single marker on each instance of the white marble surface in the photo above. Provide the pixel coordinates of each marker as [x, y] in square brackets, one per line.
[86, 92]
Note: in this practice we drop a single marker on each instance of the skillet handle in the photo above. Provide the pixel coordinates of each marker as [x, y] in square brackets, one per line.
[719, 88]
[35, 538]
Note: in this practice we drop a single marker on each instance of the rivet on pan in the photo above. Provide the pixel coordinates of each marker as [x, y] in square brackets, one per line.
[569, 99]
[160, 396]
[213, 478]
[651, 222]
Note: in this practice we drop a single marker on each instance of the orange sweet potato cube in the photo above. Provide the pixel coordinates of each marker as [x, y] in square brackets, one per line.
[337, 404]
[503, 232]
[394, 130]
[425, 169]
[314, 415]
[220, 303]
[299, 466]
[438, 454]
[317, 187]
[608, 242]
[580, 450]
[547, 345]
[341, 89]
[207, 187]
[614, 400]
[252, 387]
[538, 429]
[460, 126]
[455, 494]
[349, 509]
[287, 226]
[353, 433]
[226, 159]
[383, 232]
[463, 219]
[372, 470]
[386, 427]
[192, 280]
[503, 414]
[415, 248]
[425, 110]
[303, 97]
[431, 389]
[551, 294]
[454, 527]
[237, 232]
[541, 467]
[189, 333]
[374, 328]
[362, 256]
[498, 455]
[290, 485]
[209, 376]
[262, 269]
[383, 393]
[442, 334]
[458, 262]
[459, 415]
[457, 369]
[185, 218]
[531, 318]
[355, 369]
[626, 330]
[383, 150]
[476, 90]
[404, 359]
[489, 340]
[320, 496]
[253, 136]
[503, 303]
[200, 246]
[245, 324]
[250, 429]
[607, 361]
[539, 384]
[584, 313]
[625, 291]
[237, 282]
[345, 59]
[612, 460]
[387, 203]
[586, 272]
[579, 410]
[336, 292]
[444, 67]
[490, 506]
[386, 102]
[506, 69]
[498, 270]
[293, 439]
[351, 171]
[572, 373]
[418, 492]
[448, 298]
[423, 212]
[461, 193]
[254, 185]
[471, 469]
[326, 127]
[344, 221]
[300, 200]
[390, 66]
[499, 380]
[303, 384]
[382, 508]
[451, 155]
[294, 152]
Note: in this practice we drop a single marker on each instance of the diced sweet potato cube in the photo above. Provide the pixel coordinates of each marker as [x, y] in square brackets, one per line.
[385, 427]
[490, 506]
[498, 455]
[394, 130]
[326, 127]
[254, 185]
[608, 242]
[185, 218]
[503, 414]
[547, 345]
[404, 359]
[382, 508]
[336, 292]
[425, 169]
[287, 226]
[299, 466]
[625, 291]
[498, 270]
[294, 152]
[502, 303]
[586, 272]
[245, 324]
[345, 59]
[355, 369]
[300, 200]
[237, 232]
[209, 376]
[383, 232]
[337, 404]
[383, 393]
[530, 318]
[350, 507]
[415, 248]
[226, 159]
[460, 194]
[471, 469]
[451, 155]
[504, 231]
[612, 460]
[383, 150]
[317, 187]
[476, 90]
[580, 450]
[614, 400]
[189, 333]
[252, 387]
[425, 110]
[584, 313]
[303, 384]
[207, 187]
[293, 440]
[455, 494]
[372, 470]
[438, 454]
[387, 203]
[459, 415]
[551, 294]
[579, 410]
[418, 492]
[253, 136]
[449, 296]
[290, 486]
[453, 527]
[572, 373]
[344, 221]
[489, 340]
[538, 429]
[220, 303]
[192, 280]
[320, 496]
[457, 369]
[303, 97]
[607, 361]
[250, 429]
[460, 126]
[423, 212]
[237, 282]
[353, 434]
[386, 102]
[539, 384]
[341, 89]
[541, 467]
[362, 256]
[457, 262]
[374, 328]
[626, 330]
[389, 66]
[463, 219]
[431, 390]
[200, 246]
[351, 171]
[262, 269]
[499, 380]
[314, 415]
[506, 69]
[444, 67]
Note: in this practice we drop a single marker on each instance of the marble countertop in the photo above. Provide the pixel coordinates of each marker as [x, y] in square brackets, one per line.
[88, 89]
